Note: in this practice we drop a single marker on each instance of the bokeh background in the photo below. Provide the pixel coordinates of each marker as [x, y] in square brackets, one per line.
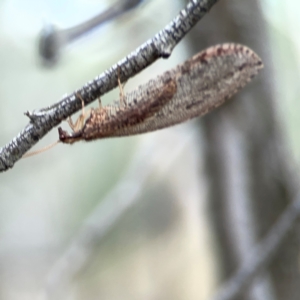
[119, 218]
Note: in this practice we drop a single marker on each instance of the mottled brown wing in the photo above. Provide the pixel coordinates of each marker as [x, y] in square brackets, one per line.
[192, 89]
[203, 83]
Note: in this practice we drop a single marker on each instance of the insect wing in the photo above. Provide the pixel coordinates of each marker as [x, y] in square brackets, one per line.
[203, 83]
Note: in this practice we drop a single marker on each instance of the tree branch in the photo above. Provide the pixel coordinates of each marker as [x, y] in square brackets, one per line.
[161, 45]
[53, 39]
[262, 254]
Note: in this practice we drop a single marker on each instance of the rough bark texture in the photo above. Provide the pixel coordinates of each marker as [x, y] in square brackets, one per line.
[160, 46]
[246, 157]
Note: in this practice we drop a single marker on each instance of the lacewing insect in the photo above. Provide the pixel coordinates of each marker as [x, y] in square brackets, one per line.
[192, 89]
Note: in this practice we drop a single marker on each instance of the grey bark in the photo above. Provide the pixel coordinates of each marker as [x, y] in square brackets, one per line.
[246, 158]
[160, 46]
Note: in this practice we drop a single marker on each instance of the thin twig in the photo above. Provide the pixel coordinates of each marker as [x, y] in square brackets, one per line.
[262, 254]
[53, 39]
[161, 45]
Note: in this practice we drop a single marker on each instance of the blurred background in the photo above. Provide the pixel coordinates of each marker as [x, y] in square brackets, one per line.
[165, 215]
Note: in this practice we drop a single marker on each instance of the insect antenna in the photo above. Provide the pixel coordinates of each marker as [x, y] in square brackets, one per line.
[32, 153]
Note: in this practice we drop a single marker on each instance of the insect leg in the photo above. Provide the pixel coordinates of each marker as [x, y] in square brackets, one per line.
[100, 103]
[77, 126]
[123, 102]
